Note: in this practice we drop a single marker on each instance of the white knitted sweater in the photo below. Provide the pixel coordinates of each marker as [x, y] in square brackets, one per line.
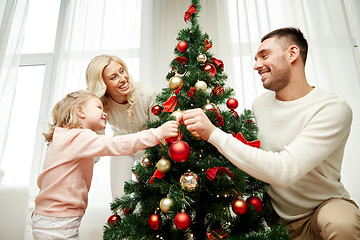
[302, 147]
[118, 117]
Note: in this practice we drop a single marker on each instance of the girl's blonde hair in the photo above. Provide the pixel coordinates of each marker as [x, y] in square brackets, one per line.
[95, 82]
[64, 113]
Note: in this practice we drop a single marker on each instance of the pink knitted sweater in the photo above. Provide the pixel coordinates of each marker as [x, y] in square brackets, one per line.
[68, 167]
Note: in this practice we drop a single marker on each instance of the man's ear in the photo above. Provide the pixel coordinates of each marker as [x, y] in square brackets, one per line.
[294, 53]
[80, 112]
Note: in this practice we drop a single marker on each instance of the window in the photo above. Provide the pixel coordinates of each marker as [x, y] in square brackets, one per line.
[23, 124]
[37, 52]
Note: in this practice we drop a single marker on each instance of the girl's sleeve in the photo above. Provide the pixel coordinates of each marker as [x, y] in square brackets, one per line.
[89, 144]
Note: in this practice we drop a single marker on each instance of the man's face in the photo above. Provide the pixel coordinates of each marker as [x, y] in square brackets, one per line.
[272, 64]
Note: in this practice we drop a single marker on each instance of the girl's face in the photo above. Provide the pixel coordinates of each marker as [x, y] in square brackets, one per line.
[116, 80]
[93, 115]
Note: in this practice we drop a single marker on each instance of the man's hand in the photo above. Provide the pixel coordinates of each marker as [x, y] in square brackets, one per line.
[196, 121]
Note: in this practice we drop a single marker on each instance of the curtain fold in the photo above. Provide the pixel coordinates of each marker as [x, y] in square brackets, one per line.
[13, 17]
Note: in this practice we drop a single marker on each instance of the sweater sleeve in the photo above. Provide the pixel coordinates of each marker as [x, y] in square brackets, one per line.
[325, 132]
[89, 144]
[149, 96]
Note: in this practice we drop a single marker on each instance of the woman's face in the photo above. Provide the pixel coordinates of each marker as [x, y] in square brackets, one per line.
[116, 80]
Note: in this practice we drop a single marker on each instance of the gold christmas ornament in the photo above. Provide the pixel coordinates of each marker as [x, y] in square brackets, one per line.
[189, 181]
[166, 204]
[145, 162]
[175, 82]
[176, 114]
[201, 58]
[195, 136]
[163, 165]
[200, 85]
[209, 106]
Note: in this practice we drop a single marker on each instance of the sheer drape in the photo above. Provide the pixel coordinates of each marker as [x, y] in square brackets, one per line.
[12, 17]
[91, 28]
[144, 33]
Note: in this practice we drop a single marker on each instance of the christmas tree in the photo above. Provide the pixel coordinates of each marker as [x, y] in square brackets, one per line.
[185, 188]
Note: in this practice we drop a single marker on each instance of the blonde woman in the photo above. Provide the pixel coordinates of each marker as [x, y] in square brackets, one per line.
[73, 143]
[128, 106]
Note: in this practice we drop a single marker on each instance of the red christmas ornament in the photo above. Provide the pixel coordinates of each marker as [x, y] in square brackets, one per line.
[128, 210]
[156, 110]
[154, 221]
[182, 221]
[207, 45]
[239, 206]
[210, 69]
[179, 151]
[232, 103]
[114, 219]
[182, 46]
[191, 92]
[218, 90]
[256, 202]
[216, 234]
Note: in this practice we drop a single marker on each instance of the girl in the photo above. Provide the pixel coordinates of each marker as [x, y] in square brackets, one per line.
[68, 167]
[128, 105]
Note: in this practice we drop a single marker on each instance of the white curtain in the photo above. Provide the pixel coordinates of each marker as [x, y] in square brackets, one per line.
[92, 27]
[144, 33]
[12, 20]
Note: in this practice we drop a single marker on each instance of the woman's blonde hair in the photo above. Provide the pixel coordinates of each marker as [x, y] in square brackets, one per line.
[95, 82]
[64, 113]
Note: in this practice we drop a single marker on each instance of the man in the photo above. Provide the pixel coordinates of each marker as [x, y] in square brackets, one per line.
[303, 131]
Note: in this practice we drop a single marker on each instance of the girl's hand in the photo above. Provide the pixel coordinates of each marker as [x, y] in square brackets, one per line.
[170, 129]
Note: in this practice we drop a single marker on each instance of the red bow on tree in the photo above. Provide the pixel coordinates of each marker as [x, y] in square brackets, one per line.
[219, 118]
[172, 102]
[255, 143]
[181, 59]
[213, 172]
[217, 62]
[157, 174]
[190, 11]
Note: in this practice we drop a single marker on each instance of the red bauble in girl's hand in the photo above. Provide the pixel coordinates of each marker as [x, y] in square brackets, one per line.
[182, 221]
[154, 221]
[179, 151]
[256, 202]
